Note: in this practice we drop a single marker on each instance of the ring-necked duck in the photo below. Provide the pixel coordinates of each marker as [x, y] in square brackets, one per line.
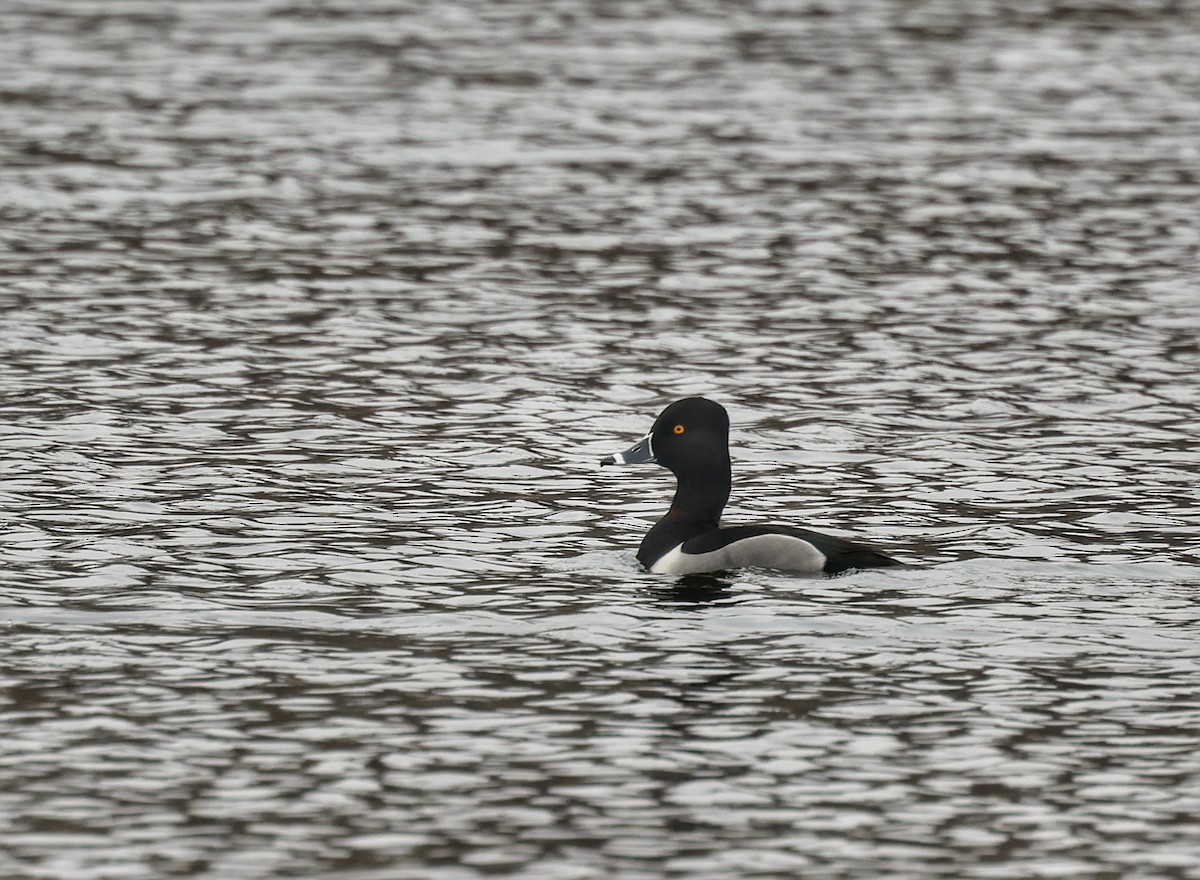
[691, 439]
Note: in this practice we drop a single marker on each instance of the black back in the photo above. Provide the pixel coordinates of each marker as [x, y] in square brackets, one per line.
[840, 554]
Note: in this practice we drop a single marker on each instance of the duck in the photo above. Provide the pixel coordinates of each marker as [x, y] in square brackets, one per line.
[691, 439]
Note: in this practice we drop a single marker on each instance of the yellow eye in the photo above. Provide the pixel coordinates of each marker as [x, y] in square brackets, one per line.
[679, 429]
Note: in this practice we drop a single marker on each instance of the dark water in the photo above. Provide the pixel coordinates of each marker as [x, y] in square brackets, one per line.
[318, 316]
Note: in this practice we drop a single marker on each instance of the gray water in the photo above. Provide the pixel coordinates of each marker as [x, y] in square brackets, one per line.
[318, 317]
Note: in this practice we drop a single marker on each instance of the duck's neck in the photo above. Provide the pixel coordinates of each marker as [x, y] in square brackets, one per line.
[704, 495]
[695, 509]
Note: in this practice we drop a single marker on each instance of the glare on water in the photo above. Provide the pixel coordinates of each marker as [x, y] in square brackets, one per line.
[316, 319]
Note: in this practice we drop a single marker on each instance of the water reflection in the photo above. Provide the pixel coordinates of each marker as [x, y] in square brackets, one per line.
[695, 590]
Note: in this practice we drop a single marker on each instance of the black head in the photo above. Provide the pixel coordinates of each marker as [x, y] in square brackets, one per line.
[691, 434]
[691, 438]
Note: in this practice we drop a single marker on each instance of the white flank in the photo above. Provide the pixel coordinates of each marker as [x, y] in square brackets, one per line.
[780, 552]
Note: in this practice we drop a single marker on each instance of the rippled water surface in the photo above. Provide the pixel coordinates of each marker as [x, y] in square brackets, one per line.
[317, 318]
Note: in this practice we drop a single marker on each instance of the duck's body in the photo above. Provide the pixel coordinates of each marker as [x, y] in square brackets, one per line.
[691, 438]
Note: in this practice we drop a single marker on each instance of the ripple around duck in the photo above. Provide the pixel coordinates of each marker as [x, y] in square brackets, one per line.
[318, 317]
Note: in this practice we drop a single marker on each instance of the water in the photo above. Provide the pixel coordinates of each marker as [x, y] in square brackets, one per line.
[318, 317]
